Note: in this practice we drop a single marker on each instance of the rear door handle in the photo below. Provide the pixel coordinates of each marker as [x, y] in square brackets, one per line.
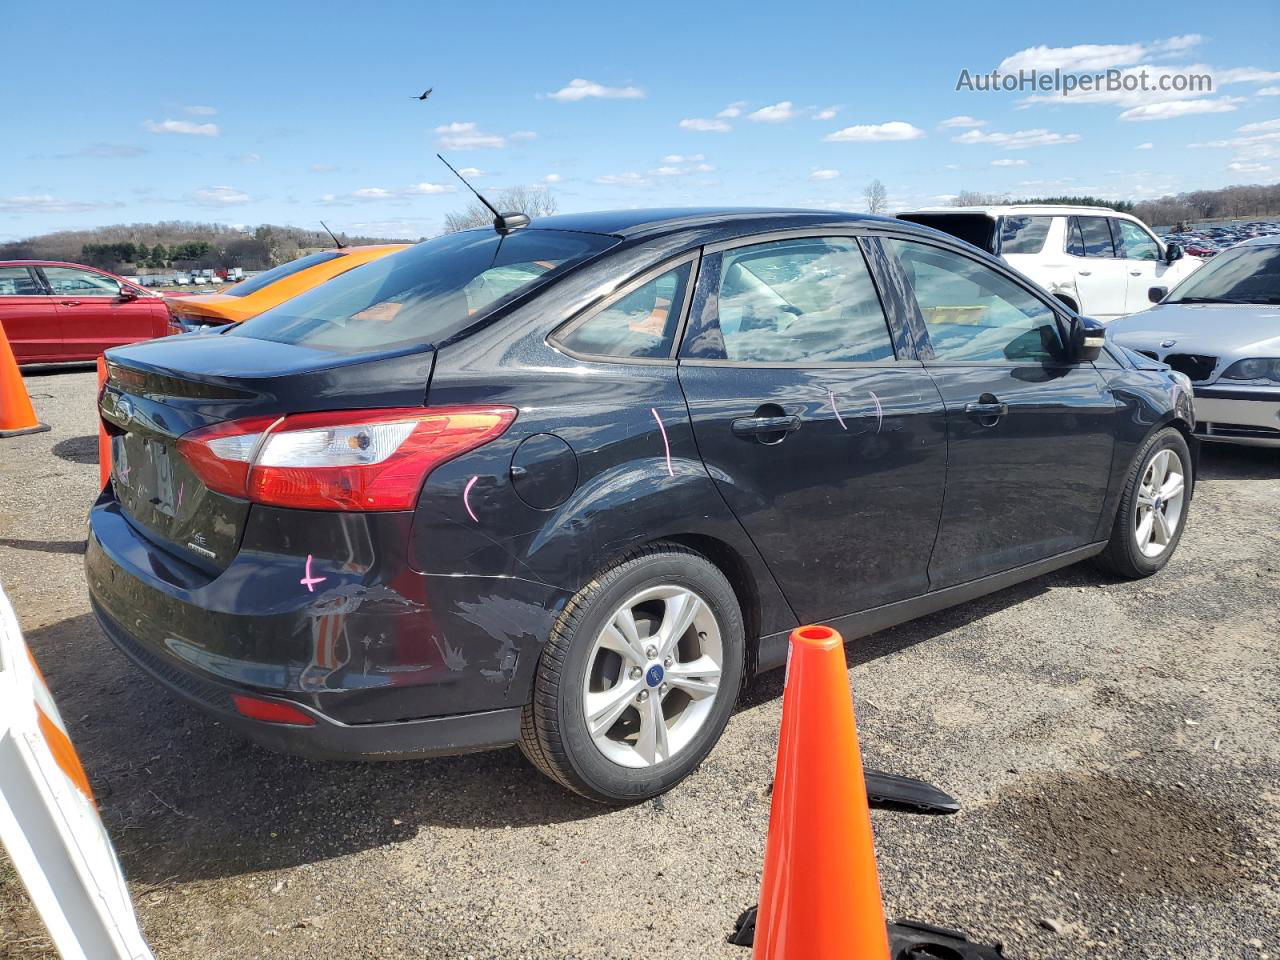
[750, 427]
[1135, 273]
[997, 408]
[1085, 273]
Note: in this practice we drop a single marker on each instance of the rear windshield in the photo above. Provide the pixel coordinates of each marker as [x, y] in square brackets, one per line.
[424, 294]
[268, 277]
[1023, 234]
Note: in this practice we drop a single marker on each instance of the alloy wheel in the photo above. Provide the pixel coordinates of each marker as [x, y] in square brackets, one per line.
[1160, 500]
[652, 676]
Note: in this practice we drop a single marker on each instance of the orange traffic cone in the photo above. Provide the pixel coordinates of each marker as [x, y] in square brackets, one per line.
[820, 897]
[104, 442]
[17, 416]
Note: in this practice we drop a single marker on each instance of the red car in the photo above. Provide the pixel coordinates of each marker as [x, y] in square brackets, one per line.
[58, 312]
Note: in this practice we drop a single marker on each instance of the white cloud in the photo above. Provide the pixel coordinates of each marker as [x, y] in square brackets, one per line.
[630, 179]
[471, 172]
[1260, 126]
[196, 110]
[428, 189]
[1268, 92]
[774, 113]
[523, 135]
[222, 196]
[467, 136]
[732, 110]
[579, 89]
[372, 193]
[683, 158]
[1171, 109]
[1008, 162]
[552, 178]
[668, 172]
[876, 132]
[1240, 166]
[45, 203]
[824, 174]
[182, 126]
[1094, 56]
[382, 194]
[1019, 139]
[826, 113]
[1145, 146]
[963, 122]
[703, 125]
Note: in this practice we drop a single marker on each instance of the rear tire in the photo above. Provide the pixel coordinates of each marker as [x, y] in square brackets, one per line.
[1153, 508]
[638, 678]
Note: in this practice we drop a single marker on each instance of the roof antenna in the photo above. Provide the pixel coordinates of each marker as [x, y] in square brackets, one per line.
[503, 223]
[336, 242]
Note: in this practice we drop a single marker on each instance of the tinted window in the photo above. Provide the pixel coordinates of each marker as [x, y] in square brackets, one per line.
[424, 294]
[640, 324]
[1249, 274]
[1023, 234]
[794, 301]
[18, 282]
[1133, 242]
[64, 281]
[974, 313]
[1097, 237]
[268, 277]
[1075, 242]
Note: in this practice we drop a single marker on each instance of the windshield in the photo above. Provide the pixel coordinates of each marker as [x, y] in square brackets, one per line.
[268, 277]
[424, 294]
[1245, 274]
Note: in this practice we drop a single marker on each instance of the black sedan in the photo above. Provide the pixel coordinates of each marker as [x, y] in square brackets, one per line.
[570, 485]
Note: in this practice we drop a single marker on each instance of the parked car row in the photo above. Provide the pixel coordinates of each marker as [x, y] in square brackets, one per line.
[1209, 241]
[567, 485]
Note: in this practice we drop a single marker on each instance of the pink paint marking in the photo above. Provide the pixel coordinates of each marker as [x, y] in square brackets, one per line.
[665, 442]
[835, 408]
[309, 581]
[124, 471]
[466, 498]
[879, 411]
[181, 486]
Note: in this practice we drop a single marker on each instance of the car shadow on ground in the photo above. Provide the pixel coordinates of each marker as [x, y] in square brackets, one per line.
[185, 798]
[1228, 461]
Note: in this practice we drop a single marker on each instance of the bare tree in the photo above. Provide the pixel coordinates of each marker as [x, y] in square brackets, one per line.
[877, 197]
[534, 201]
[975, 198]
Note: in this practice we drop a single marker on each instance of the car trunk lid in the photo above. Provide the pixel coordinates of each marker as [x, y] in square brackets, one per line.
[159, 391]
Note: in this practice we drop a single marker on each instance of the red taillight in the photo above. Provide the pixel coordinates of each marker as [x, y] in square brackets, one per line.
[353, 460]
[272, 711]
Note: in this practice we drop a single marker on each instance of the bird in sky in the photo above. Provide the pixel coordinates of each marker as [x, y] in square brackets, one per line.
[426, 93]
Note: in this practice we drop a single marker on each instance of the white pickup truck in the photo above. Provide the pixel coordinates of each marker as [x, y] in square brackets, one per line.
[1098, 261]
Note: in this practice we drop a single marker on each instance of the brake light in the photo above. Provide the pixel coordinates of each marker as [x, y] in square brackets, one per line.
[353, 460]
[271, 711]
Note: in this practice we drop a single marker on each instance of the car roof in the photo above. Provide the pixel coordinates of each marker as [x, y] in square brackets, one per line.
[362, 248]
[1268, 239]
[1042, 209]
[53, 263]
[636, 223]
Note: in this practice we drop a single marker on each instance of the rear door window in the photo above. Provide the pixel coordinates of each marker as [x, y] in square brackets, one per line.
[639, 324]
[1096, 234]
[808, 301]
[1023, 234]
[425, 294]
[18, 282]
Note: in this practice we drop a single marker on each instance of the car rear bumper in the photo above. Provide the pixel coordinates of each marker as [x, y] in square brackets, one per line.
[1226, 415]
[389, 663]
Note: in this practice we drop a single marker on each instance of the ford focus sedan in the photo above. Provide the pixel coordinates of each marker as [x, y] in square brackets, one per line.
[570, 486]
[1221, 327]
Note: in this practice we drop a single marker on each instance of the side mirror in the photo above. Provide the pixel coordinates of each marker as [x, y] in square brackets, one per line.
[1172, 252]
[1088, 337]
[1156, 294]
[127, 293]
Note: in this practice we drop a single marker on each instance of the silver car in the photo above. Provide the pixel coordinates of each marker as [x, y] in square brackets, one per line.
[1221, 327]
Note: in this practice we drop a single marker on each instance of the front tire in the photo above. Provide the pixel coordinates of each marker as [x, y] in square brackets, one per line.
[638, 677]
[1153, 509]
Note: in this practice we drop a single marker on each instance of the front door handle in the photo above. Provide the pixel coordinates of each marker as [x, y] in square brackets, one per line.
[983, 409]
[1086, 273]
[1135, 273]
[753, 427]
[70, 303]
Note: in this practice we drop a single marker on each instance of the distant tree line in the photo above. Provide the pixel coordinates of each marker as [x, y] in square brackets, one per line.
[175, 244]
[1253, 200]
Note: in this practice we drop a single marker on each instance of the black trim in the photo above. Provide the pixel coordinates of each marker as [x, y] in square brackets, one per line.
[772, 652]
[1265, 394]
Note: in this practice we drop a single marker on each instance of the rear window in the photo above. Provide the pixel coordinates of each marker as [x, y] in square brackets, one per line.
[268, 277]
[424, 294]
[1023, 234]
[975, 228]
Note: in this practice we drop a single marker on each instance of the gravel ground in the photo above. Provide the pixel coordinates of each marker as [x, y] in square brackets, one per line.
[1116, 747]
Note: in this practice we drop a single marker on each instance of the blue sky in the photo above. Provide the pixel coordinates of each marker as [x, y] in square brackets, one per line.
[296, 112]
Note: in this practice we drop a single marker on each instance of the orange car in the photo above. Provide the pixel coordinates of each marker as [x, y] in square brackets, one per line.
[271, 288]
